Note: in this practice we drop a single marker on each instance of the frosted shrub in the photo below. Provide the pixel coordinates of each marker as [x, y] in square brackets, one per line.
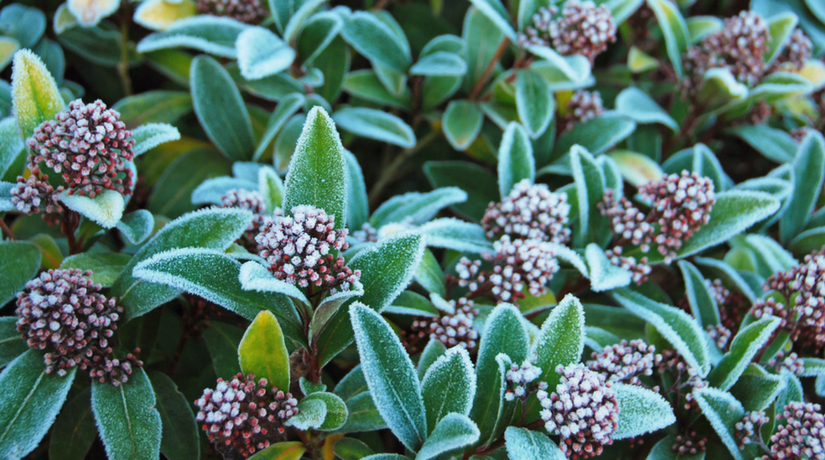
[412, 230]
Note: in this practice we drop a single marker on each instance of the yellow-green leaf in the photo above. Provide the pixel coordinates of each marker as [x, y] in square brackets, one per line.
[160, 14]
[263, 352]
[281, 451]
[34, 92]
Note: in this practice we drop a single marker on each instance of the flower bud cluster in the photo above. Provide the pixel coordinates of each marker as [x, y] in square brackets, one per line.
[299, 250]
[582, 409]
[520, 381]
[244, 415]
[720, 335]
[800, 434]
[36, 196]
[89, 146]
[63, 313]
[747, 429]
[252, 201]
[791, 363]
[530, 211]
[639, 270]
[451, 328]
[246, 11]
[624, 362]
[689, 444]
[797, 50]
[582, 106]
[367, 234]
[582, 28]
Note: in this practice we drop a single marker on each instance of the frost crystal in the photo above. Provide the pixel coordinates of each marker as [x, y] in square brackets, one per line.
[35, 195]
[89, 146]
[583, 410]
[246, 11]
[451, 329]
[253, 201]
[801, 436]
[244, 415]
[529, 211]
[582, 106]
[64, 313]
[583, 28]
[298, 250]
[625, 362]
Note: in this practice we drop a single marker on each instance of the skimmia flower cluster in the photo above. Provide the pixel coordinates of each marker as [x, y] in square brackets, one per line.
[452, 328]
[300, 249]
[800, 434]
[246, 11]
[63, 313]
[522, 381]
[36, 196]
[625, 361]
[530, 211]
[244, 415]
[252, 201]
[580, 28]
[583, 105]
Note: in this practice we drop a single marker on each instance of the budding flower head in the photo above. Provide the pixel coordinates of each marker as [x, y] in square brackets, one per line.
[252, 201]
[582, 409]
[520, 380]
[452, 328]
[625, 362]
[582, 28]
[64, 313]
[529, 211]
[747, 429]
[244, 415]
[801, 433]
[89, 146]
[246, 11]
[582, 106]
[36, 196]
[797, 50]
[299, 250]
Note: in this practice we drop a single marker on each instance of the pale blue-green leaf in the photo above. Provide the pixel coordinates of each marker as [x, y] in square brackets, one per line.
[744, 347]
[74, 431]
[287, 107]
[534, 102]
[637, 105]
[304, 9]
[255, 277]
[11, 144]
[211, 191]
[462, 123]
[12, 344]
[589, 185]
[448, 386]
[568, 71]
[723, 411]
[105, 209]
[440, 64]
[365, 84]
[641, 411]
[674, 30]
[432, 351]
[780, 27]
[452, 433]
[151, 135]
[774, 144]
[701, 300]
[455, 234]
[261, 53]
[136, 226]
[376, 41]
[596, 135]
[19, 262]
[23, 23]
[770, 256]
[210, 34]
[318, 32]
[524, 444]
[375, 124]
[561, 340]
[390, 376]
[358, 211]
[336, 410]
[311, 414]
[515, 159]
[808, 173]
[272, 189]
[496, 12]
[416, 207]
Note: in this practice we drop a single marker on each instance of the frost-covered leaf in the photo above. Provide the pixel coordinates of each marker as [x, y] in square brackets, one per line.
[432, 352]
[336, 410]
[19, 262]
[674, 30]
[25, 24]
[515, 159]
[589, 185]
[127, 419]
[524, 444]
[210, 228]
[272, 189]
[288, 450]
[455, 234]
[429, 274]
[496, 13]
[161, 14]
[375, 124]
[151, 135]
[730, 274]
[386, 270]
[770, 256]
[449, 386]
[12, 344]
[596, 135]
[701, 300]
[317, 34]
[220, 109]
[308, 387]
[210, 191]
[74, 430]
[757, 389]
[452, 433]
[723, 411]
[222, 342]
[480, 185]
[664, 450]
[261, 53]
[376, 40]
[744, 347]
[774, 144]
[808, 172]
[105, 209]
[179, 440]
[34, 92]
[637, 105]
[135, 227]
[287, 107]
[210, 34]
[440, 64]
[604, 276]
[416, 207]
[358, 211]
[462, 123]
[390, 376]
[676, 326]
[263, 352]
[561, 340]
[504, 334]
[311, 414]
[31, 400]
[318, 171]
[641, 411]
[535, 103]
[105, 266]
[255, 277]
[11, 145]
[90, 12]
[636, 168]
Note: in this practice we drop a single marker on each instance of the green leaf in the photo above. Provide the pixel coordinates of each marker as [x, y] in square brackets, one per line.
[286, 108]
[561, 340]
[641, 411]
[105, 209]
[534, 101]
[174, 190]
[744, 347]
[375, 124]
[808, 173]
[351, 449]
[589, 183]
[596, 135]
[415, 207]
[365, 84]
[429, 274]
[318, 171]
[126, 417]
[263, 352]
[504, 334]
[179, 440]
[515, 159]
[151, 135]
[317, 34]
[154, 107]
[455, 234]
[448, 386]
[220, 109]
[210, 34]
[222, 341]
[496, 12]
[357, 203]
[11, 145]
[12, 344]
[376, 41]
[23, 23]
[271, 187]
[453, 432]
[440, 64]
[780, 27]
[105, 266]
[637, 105]
[210, 228]
[31, 400]
[390, 376]
[311, 415]
[638, 61]
[19, 262]
[524, 444]
[336, 410]
[701, 300]
[479, 184]
[74, 431]
[34, 92]
[261, 53]
[723, 411]
[676, 326]
[291, 450]
[462, 123]
[214, 276]
[136, 226]
[604, 276]
[308, 387]
[386, 270]
[774, 144]
[482, 38]
[432, 351]
[757, 389]
[674, 30]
